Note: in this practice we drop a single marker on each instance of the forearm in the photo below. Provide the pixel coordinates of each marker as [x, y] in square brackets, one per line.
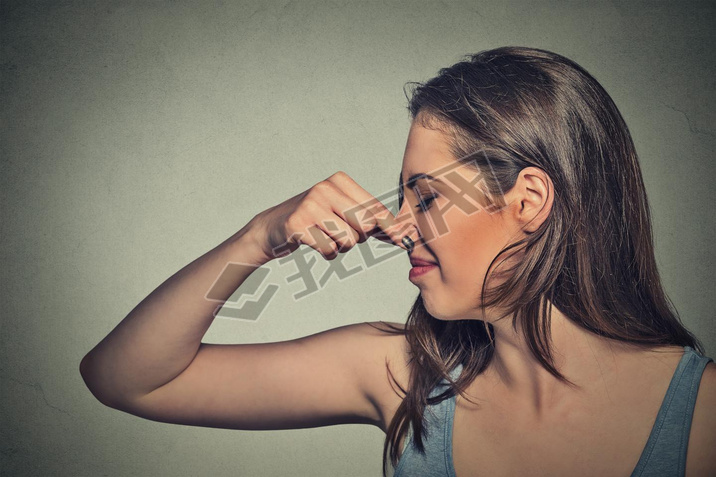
[160, 337]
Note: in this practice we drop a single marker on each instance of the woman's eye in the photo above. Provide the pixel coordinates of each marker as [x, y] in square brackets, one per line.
[425, 203]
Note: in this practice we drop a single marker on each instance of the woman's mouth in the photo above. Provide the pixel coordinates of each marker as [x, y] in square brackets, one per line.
[420, 267]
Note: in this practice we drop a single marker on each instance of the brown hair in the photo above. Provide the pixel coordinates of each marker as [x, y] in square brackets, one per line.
[592, 258]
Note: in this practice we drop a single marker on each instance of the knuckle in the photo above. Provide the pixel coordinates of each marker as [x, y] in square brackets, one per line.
[293, 222]
[311, 204]
[340, 175]
[322, 187]
[313, 193]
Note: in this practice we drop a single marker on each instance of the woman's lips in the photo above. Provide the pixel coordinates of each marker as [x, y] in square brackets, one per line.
[419, 262]
[419, 270]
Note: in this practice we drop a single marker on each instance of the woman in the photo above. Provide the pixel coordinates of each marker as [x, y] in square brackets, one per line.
[541, 341]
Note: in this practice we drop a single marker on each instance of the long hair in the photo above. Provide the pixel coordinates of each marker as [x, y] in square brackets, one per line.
[592, 258]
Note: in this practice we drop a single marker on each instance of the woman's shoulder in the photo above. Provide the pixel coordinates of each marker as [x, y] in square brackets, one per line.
[392, 347]
[388, 362]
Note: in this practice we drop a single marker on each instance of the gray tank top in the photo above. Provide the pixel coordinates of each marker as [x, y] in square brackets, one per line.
[663, 455]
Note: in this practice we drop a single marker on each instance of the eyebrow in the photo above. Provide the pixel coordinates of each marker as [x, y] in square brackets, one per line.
[412, 183]
[414, 178]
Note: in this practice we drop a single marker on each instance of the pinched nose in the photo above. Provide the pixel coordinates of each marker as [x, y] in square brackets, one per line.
[408, 242]
[405, 223]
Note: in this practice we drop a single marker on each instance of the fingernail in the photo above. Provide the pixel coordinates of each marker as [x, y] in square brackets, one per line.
[408, 242]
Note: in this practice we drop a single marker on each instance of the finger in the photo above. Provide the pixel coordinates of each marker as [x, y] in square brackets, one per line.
[318, 240]
[343, 234]
[352, 221]
[375, 213]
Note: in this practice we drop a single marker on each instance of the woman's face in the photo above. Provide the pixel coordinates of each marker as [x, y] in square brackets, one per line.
[461, 240]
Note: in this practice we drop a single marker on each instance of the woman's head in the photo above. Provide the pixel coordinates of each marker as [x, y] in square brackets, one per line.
[462, 225]
[563, 220]
[541, 132]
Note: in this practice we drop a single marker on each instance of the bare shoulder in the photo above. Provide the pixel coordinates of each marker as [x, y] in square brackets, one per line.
[700, 459]
[389, 368]
[391, 348]
[377, 348]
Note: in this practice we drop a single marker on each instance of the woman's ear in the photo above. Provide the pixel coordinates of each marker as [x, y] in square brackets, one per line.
[533, 197]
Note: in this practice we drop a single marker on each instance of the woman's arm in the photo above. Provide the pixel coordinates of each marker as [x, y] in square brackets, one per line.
[161, 336]
[337, 376]
[153, 363]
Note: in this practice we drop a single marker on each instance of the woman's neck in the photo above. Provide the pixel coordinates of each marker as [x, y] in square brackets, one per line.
[586, 359]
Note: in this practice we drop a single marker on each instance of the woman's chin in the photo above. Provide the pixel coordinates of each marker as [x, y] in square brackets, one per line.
[438, 312]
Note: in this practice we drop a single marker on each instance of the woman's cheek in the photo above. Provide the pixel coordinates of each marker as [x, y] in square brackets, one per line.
[473, 241]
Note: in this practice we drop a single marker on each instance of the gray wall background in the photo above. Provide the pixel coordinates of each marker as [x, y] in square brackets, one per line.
[138, 135]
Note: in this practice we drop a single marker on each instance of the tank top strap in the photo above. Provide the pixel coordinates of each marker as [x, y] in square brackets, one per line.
[665, 450]
[437, 460]
[449, 420]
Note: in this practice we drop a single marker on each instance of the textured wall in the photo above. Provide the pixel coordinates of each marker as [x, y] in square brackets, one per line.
[138, 135]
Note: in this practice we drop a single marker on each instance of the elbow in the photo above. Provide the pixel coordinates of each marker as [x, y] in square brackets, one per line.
[89, 376]
[83, 368]
[84, 372]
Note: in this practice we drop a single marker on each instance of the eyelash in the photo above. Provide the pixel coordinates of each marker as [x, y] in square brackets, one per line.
[425, 203]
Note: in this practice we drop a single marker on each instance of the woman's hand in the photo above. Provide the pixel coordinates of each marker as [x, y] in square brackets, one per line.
[331, 217]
